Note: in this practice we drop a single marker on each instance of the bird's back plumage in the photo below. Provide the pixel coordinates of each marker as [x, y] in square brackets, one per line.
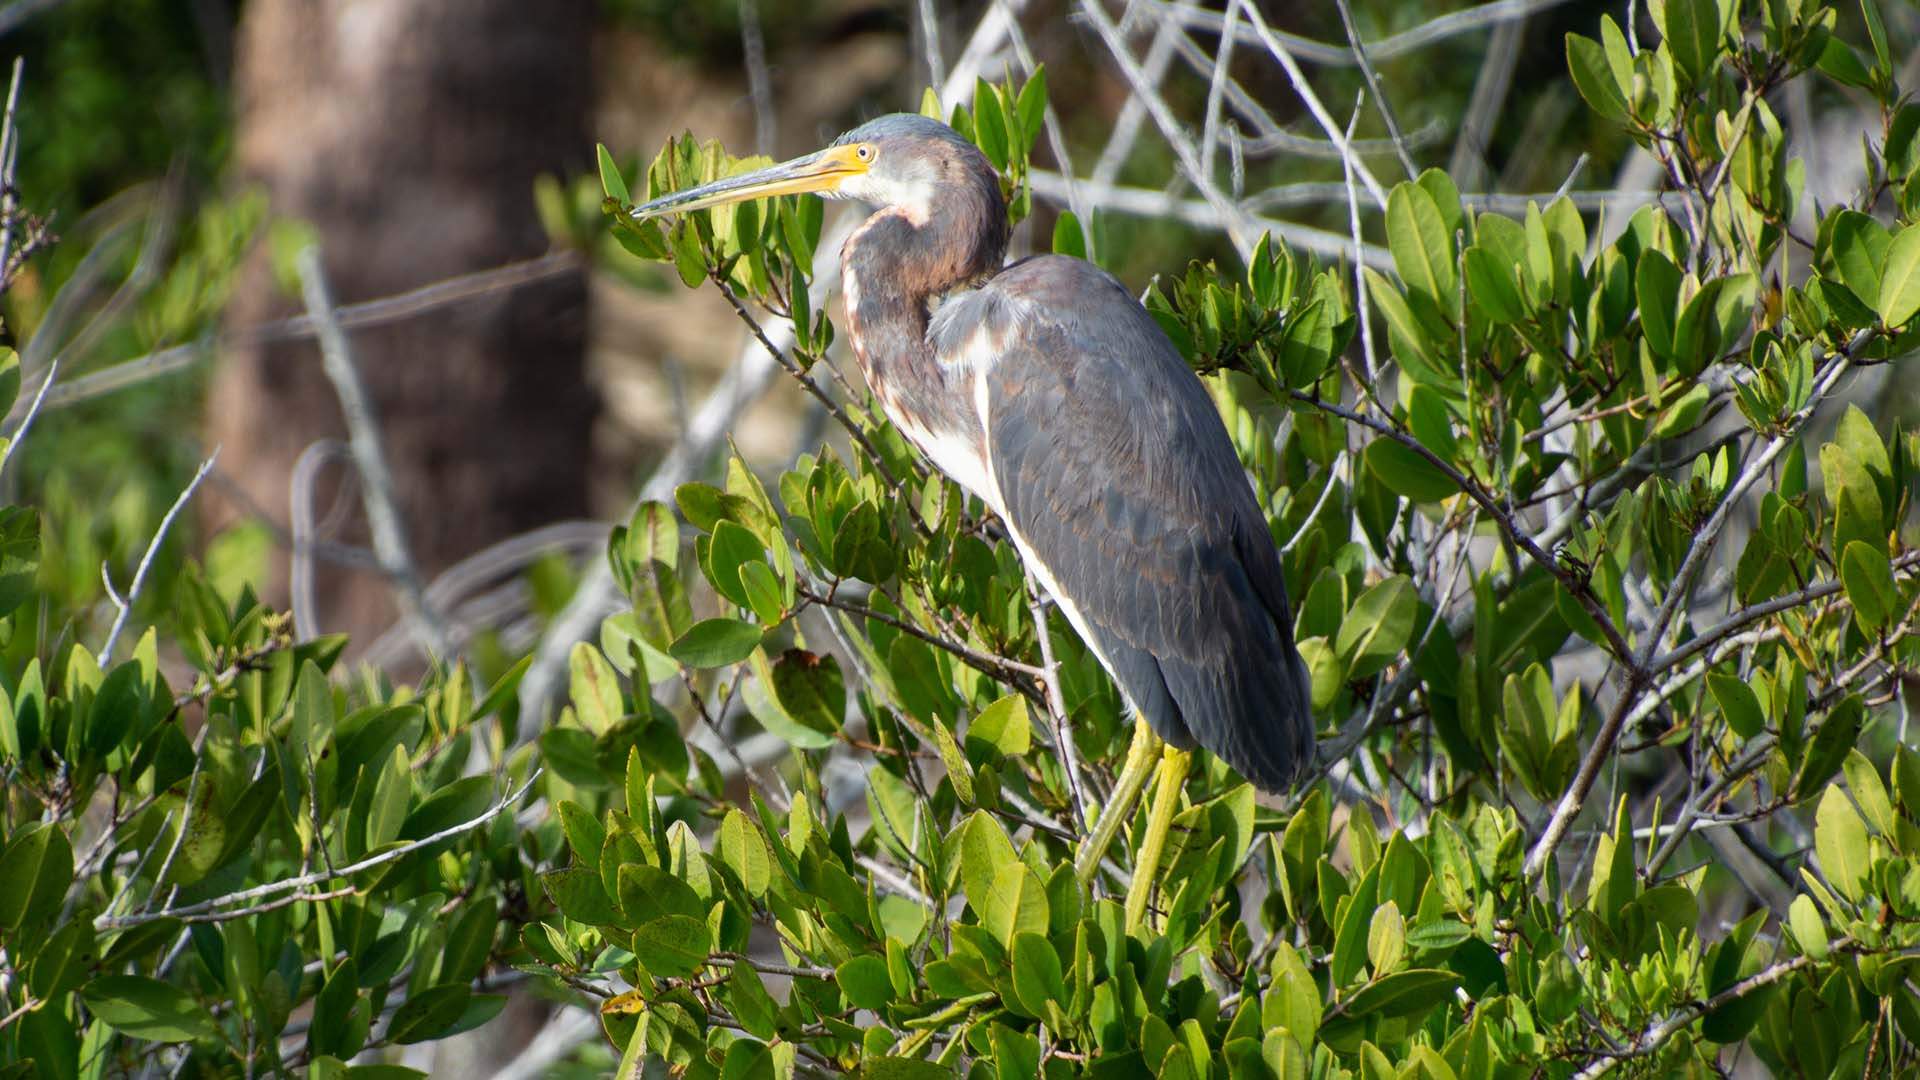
[1164, 564]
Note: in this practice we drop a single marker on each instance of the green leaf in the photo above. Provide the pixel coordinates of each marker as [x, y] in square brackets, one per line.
[1809, 929]
[1840, 840]
[595, 689]
[1438, 934]
[713, 643]
[984, 852]
[731, 550]
[1406, 329]
[743, 851]
[1422, 247]
[959, 772]
[1868, 577]
[429, 1014]
[648, 893]
[752, 1005]
[672, 946]
[889, 1067]
[1068, 239]
[1899, 296]
[1002, 727]
[865, 982]
[812, 691]
[580, 896]
[19, 554]
[1407, 473]
[611, 182]
[1693, 30]
[1830, 746]
[392, 793]
[1037, 977]
[1859, 246]
[148, 1009]
[1870, 792]
[1378, 626]
[1350, 938]
[1593, 77]
[1492, 285]
[9, 382]
[1031, 106]
[1738, 704]
[1657, 285]
[35, 873]
[1386, 939]
[1405, 993]
[990, 123]
[1016, 902]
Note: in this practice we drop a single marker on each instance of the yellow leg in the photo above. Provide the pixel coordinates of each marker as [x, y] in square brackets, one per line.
[1126, 791]
[1166, 802]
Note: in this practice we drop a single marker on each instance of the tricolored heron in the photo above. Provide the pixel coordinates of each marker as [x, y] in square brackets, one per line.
[1045, 389]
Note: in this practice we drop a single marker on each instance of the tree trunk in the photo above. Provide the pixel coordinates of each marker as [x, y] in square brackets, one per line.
[408, 134]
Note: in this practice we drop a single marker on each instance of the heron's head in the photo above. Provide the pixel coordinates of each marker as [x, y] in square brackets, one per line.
[903, 160]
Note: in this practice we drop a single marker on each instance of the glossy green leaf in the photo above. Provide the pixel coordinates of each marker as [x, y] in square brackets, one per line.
[1840, 840]
[672, 946]
[713, 643]
[865, 982]
[148, 1009]
[1898, 299]
[1002, 727]
[1407, 473]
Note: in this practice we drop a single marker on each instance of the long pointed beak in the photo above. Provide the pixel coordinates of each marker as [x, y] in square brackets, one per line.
[821, 171]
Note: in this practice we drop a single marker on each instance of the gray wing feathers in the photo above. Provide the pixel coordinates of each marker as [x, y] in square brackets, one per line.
[1116, 472]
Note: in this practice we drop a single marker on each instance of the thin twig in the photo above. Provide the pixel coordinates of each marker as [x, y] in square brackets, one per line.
[1057, 709]
[125, 603]
[1216, 90]
[1380, 101]
[305, 601]
[275, 888]
[1468, 165]
[33, 410]
[1159, 203]
[9, 154]
[1638, 674]
[753, 46]
[1235, 221]
[1327, 54]
[397, 308]
[1319, 111]
[369, 457]
[930, 43]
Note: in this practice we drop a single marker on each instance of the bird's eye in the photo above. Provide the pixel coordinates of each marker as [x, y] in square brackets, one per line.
[864, 152]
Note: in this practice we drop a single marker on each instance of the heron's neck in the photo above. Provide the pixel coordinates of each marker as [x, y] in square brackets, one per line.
[892, 269]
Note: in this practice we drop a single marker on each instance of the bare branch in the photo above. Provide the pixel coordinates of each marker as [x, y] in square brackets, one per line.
[364, 442]
[1057, 709]
[9, 155]
[753, 46]
[1638, 674]
[397, 308]
[1380, 101]
[1465, 21]
[1319, 111]
[306, 618]
[33, 410]
[125, 603]
[1142, 202]
[275, 888]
